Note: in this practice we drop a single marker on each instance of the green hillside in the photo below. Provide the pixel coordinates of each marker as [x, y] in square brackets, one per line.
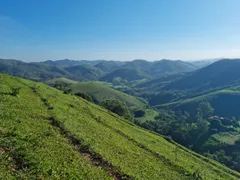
[127, 74]
[63, 80]
[165, 67]
[225, 102]
[85, 72]
[43, 71]
[99, 91]
[220, 74]
[33, 71]
[109, 66]
[46, 134]
[160, 68]
[68, 63]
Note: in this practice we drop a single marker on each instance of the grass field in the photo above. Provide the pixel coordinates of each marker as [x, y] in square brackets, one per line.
[226, 137]
[150, 115]
[46, 134]
[99, 91]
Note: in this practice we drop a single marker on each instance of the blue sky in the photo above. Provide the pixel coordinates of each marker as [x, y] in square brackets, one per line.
[37, 30]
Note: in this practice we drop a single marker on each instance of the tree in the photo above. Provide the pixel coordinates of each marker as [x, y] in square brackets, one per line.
[223, 158]
[204, 110]
[60, 85]
[139, 113]
[117, 107]
[216, 124]
[237, 142]
[117, 81]
[182, 115]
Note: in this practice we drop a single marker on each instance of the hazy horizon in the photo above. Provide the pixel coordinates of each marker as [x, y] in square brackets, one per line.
[193, 60]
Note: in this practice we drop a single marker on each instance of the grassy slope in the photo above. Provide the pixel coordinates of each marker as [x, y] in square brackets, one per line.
[226, 137]
[67, 81]
[150, 115]
[47, 134]
[99, 91]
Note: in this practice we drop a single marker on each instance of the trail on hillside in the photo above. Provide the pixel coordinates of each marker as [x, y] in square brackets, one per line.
[83, 150]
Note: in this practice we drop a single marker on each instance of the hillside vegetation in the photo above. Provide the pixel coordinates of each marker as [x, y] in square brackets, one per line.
[220, 74]
[94, 70]
[85, 72]
[60, 136]
[64, 81]
[109, 66]
[33, 71]
[126, 74]
[160, 68]
[99, 91]
[225, 102]
[183, 98]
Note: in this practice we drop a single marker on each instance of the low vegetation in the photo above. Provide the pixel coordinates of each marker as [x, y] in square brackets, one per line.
[62, 136]
[197, 109]
[101, 91]
[117, 107]
[206, 133]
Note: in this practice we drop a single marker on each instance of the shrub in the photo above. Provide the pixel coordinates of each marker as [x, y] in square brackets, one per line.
[67, 91]
[15, 91]
[84, 96]
[117, 107]
[139, 113]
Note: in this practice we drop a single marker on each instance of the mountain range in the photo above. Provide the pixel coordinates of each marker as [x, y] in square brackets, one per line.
[94, 70]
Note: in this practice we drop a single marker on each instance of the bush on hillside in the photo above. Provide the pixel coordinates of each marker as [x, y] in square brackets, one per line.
[67, 91]
[117, 107]
[15, 91]
[84, 96]
[139, 113]
[60, 85]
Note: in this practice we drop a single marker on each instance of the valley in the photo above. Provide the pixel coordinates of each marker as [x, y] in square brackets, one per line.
[73, 138]
[203, 118]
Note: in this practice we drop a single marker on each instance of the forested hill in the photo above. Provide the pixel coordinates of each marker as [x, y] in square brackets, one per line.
[94, 70]
[161, 67]
[46, 134]
[222, 73]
